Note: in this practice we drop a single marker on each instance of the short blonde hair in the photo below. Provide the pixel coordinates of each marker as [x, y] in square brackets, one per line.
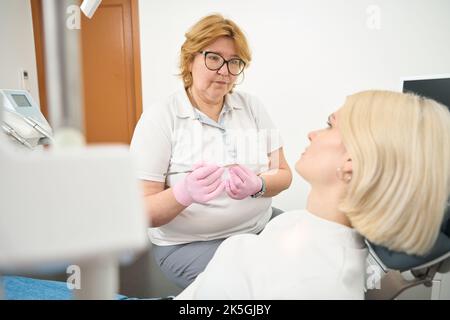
[205, 32]
[400, 150]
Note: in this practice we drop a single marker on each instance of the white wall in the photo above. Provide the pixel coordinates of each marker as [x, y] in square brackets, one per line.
[17, 49]
[307, 55]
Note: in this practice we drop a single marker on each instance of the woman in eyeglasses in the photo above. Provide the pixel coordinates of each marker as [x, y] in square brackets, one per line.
[209, 157]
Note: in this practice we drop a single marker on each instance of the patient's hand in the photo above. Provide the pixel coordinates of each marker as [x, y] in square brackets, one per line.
[242, 183]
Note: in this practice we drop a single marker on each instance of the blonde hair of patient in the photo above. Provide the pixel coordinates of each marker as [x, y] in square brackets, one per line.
[205, 32]
[400, 150]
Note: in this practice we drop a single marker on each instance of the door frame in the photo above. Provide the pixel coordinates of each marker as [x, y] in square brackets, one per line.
[38, 32]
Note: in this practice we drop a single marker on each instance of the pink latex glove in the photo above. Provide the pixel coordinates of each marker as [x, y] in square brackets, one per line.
[242, 183]
[201, 185]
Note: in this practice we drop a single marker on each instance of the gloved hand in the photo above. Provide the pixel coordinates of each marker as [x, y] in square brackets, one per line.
[203, 184]
[242, 183]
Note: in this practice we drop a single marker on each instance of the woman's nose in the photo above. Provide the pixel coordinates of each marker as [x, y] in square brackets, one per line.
[313, 134]
[224, 69]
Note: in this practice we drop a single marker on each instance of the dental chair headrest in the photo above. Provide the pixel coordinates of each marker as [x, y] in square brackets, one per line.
[402, 262]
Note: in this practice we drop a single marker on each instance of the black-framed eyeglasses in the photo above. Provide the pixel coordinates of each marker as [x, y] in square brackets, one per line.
[214, 61]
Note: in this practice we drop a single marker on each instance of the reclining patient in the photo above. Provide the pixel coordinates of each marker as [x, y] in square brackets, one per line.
[380, 170]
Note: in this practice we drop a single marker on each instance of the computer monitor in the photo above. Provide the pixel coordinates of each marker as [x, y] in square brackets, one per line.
[434, 87]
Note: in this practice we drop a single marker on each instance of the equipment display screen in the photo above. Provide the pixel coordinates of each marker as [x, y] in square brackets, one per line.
[437, 89]
[21, 100]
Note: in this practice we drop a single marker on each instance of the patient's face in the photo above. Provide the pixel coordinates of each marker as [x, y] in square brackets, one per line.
[326, 152]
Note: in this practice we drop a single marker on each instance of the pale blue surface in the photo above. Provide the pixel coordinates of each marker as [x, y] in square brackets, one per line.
[21, 288]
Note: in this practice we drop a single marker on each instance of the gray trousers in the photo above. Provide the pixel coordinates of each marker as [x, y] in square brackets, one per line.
[182, 263]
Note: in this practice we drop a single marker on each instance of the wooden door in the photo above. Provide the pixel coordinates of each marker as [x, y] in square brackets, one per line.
[111, 71]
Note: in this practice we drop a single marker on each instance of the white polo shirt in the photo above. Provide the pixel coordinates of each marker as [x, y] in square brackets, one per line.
[173, 135]
[297, 256]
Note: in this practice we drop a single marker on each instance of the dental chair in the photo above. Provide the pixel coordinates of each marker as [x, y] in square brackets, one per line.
[421, 270]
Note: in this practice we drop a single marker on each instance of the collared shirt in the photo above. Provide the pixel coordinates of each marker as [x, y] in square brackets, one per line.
[173, 135]
[297, 256]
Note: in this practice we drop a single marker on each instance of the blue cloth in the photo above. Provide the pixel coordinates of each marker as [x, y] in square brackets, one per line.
[22, 288]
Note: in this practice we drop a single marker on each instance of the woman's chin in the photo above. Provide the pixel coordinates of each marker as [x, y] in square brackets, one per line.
[218, 92]
[299, 168]
[302, 170]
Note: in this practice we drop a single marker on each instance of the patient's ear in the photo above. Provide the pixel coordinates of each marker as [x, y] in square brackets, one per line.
[348, 166]
[345, 172]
